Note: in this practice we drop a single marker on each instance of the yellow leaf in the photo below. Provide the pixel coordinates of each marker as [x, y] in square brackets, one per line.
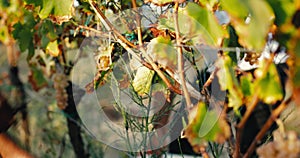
[52, 48]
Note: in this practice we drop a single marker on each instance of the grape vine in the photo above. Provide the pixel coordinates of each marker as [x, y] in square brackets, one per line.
[235, 66]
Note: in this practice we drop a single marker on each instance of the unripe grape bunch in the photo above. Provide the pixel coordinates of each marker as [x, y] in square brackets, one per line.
[60, 83]
[284, 146]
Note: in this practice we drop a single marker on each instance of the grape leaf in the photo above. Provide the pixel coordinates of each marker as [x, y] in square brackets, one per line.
[4, 34]
[283, 11]
[268, 86]
[294, 45]
[58, 9]
[162, 51]
[52, 48]
[205, 125]
[159, 2]
[34, 2]
[206, 24]
[23, 33]
[228, 81]
[246, 84]
[210, 4]
[258, 14]
[196, 23]
[47, 33]
[36, 78]
[142, 80]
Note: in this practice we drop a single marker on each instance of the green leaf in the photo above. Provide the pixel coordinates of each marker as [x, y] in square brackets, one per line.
[24, 36]
[232, 41]
[209, 4]
[162, 50]
[229, 82]
[4, 35]
[267, 85]
[296, 51]
[159, 2]
[195, 23]
[47, 32]
[24, 31]
[57, 8]
[246, 84]
[283, 10]
[34, 2]
[52, 48]
[260, 15]
[37, 79]
[142, 80]
[203, 23]
[205, 125]
[4, 4]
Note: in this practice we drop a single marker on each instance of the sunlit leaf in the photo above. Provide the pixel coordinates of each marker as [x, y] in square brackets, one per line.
[247, 17]
[4, 35]
[159, 2]
[196, 23]
[229, 82]
[52, 49]
[203, 22]
[57, 8]
[205, 125]
[142, 80]
[209, 4]
[162, 50]
[267, 85]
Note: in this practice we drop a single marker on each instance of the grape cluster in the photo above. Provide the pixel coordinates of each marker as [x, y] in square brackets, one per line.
[252, 58]
[287, 146]
[60, 83]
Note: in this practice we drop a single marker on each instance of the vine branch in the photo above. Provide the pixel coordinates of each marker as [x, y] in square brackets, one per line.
[249, 111]
[180, 59]
[267, 126]
[108, 25]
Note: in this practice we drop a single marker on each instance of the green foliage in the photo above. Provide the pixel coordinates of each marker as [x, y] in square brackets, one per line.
[283, 11]
[195, 23]
[206, 125]
[160, 2]
[296, 78]
[163, 51]
[229, 82]
[34, 2]
[267, 84]
[246, 17]
[202, 22]
[47, 32]
[246, 84]
[57, 8]
[37, 78]
[23, 33]
[250, 23]
[52, 48]
[143, 80]
[4, 34]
